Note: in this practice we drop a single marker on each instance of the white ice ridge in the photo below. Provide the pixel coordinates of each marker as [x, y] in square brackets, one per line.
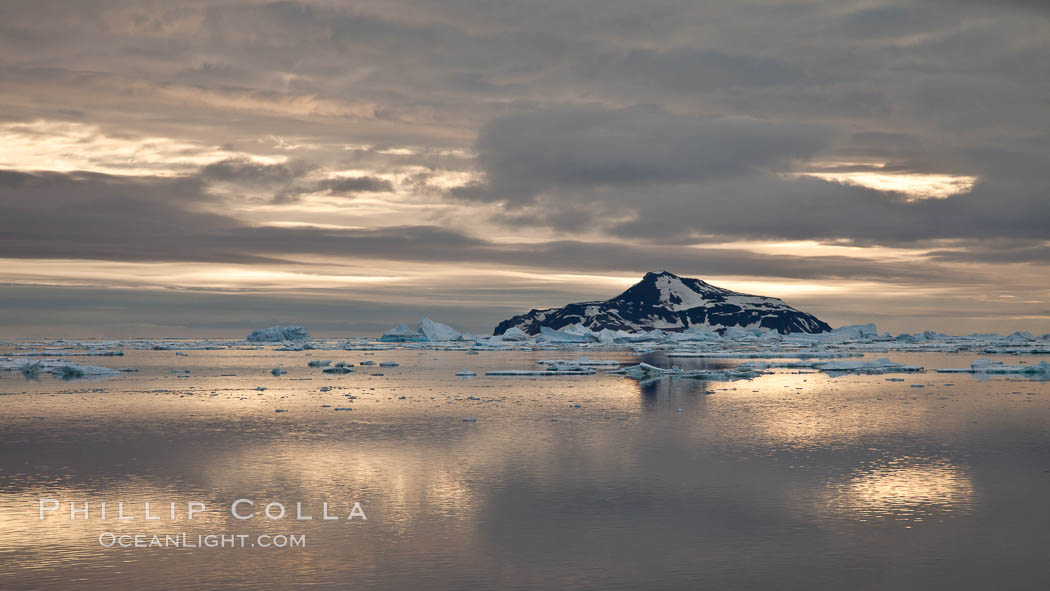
[878, 366]
[277, 334]
[985, 366]
[56, 367]
[437, 332]
[644, 371]
[427, 331]
[581, 361]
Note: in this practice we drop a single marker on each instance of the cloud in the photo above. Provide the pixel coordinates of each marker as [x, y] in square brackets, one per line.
[645, 173]
[357, 184]
[586, 147]
[589, 136]
[90, 216]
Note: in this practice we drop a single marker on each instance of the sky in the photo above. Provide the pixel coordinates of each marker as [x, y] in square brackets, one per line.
[187, 168]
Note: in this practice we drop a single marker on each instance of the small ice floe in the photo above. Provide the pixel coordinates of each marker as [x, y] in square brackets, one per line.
[181, 354]
[644, 371]
[470, 420]
[985, 366]
[66, 370]
[342, 408]
[389, 364]
[277, 371]
[318, 362]
[367, 362]
[584, 361]
[339, 368]
[801, 354]
[280, 410]
[561, 368]
[877, 366]
[465, 373]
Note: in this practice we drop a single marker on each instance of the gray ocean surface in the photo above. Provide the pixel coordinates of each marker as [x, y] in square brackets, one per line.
[793, 480]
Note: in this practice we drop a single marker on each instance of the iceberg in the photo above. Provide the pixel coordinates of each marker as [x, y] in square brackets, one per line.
[278, 334]
[402, 334]
[513, 334]
[436, 332]
[563, 335]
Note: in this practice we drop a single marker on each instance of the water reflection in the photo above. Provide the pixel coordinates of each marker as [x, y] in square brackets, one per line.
[906, 488]
[671, 483]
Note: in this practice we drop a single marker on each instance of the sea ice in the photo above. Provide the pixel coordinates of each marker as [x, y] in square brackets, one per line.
[436, 332]
[985, 366]
[277, 334]
[402, 334]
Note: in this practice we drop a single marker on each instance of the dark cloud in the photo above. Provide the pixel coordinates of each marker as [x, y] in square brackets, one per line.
[78, 216]
[357, 184]
[591, 147]
[247, 172]
[676, 176]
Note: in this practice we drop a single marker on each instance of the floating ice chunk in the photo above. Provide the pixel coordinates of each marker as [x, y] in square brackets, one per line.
[465, 373]
[277, 371]
[513, 334]
[1019, 338]
[339, 368]
[853, 331]
[985, 366]
[437, 332]
[562, 336]
[642, 337]
[318, 362]
[402, 334]
[878, 366]
[389, 364]
[277, 334]
[695, 334]
[552, 370]
[581, 361]
[56, 367]
[470, 420]
[644, 371]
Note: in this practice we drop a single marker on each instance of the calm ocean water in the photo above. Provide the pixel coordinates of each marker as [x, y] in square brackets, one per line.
[795, 480]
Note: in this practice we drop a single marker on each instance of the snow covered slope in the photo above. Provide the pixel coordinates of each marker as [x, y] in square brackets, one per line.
[668, 302]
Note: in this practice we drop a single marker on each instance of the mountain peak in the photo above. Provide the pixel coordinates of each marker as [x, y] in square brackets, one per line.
[663, 300]
[660, 273]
